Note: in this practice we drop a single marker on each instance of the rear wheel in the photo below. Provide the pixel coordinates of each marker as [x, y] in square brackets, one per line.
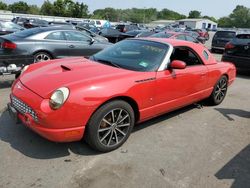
[41, 56]
[220, 91]
[110, 126]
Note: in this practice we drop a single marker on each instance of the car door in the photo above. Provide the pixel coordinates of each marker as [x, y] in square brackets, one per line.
[56, 43]
[80, 44]
[179, 87]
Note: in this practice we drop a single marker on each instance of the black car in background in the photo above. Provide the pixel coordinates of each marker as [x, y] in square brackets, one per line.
[7, 27]
[49, 43]
[126, 27]
[140, 33]
[221, 38]
[31, 23]
[237, 51]
[114, 35]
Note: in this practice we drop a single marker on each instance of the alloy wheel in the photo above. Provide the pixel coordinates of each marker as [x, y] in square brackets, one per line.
[114, 127]
[220, 90]
[42, 57]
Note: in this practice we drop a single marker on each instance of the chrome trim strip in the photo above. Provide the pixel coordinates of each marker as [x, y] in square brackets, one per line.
[165, 62]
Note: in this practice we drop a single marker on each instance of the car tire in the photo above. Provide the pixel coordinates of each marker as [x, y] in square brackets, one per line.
[219, 91]
[42, 56]
[110, 126]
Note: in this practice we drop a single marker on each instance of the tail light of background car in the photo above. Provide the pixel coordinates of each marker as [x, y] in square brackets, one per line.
[8, 45]
[229, 45]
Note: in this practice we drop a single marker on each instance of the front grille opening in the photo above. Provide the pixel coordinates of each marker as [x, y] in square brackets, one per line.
[23, 108]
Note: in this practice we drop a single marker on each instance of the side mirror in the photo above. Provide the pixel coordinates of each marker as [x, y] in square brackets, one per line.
[177, 64]
[91, 41]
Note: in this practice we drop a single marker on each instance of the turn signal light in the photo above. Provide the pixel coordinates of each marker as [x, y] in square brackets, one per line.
[8, 45]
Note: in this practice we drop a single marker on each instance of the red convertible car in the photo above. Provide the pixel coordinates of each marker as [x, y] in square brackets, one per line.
[101, 98]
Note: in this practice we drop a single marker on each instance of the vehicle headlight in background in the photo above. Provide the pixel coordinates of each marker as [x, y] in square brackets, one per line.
[58, 98]
[24, 69]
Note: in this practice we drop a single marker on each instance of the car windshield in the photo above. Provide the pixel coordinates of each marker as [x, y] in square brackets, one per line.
[225, 34]
[27, 32]
[162, 35]
[136, 55]
[10, 25]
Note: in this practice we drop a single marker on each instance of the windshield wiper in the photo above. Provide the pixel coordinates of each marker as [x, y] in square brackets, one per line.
[107, 62]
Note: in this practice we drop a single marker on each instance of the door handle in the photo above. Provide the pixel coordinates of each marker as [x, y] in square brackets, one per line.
[71, 46]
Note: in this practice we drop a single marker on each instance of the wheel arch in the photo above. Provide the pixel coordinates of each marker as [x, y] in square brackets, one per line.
[225, 74]
[127, 99]
[46, 51]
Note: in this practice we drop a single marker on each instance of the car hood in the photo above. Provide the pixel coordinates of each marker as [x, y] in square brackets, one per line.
[45, 77]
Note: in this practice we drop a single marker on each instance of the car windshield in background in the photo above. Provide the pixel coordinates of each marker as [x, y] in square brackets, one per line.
[136, 55]
[28, 32]
[162, 35]
[225, 34]
[10, 25]
[245, 37]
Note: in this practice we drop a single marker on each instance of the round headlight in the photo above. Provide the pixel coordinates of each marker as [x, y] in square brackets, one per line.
[58, 98]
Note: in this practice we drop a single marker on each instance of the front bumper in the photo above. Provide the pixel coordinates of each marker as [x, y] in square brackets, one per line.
[11, 64]
[241, 63]
[33, 114]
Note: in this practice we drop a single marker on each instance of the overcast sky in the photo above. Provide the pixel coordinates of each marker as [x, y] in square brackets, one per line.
[216, 8]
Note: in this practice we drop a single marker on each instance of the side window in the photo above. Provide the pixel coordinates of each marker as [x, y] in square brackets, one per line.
[181, 37]
[55, 36]
[205, 54]
[186, 55]
[76, 36]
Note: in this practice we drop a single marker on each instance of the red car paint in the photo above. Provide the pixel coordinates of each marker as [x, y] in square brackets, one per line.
[92, 84]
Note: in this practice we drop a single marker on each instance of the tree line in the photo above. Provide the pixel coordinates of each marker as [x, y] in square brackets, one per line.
[239, 18]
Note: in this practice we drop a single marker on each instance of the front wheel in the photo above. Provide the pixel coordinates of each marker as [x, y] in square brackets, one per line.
[41, 56]
[219, 91]
[110, 126]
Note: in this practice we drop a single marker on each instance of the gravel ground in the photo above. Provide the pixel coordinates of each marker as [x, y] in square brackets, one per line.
[197, 146]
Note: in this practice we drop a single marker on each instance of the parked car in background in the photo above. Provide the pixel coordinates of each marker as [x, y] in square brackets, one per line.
[140, 33]
[126, 27]
[97, 23]
[202, 32]
[196, 36]
[221, 38]
[19, 20]
[59, 23]
[31, 23]
[175, 35]
[7, 27]
[91, 34]
[101, 99]
[114, 35]
[237, 51]
[73, 22]
[86, 25]
[50, 43]
[13, 64]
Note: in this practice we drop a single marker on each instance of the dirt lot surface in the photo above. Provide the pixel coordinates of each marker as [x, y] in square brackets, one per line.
[197, 146]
